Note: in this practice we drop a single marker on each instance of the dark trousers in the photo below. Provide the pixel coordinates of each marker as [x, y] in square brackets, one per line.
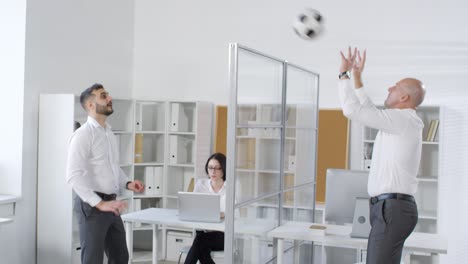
[100, 232]
[203, 244]
[392, 221]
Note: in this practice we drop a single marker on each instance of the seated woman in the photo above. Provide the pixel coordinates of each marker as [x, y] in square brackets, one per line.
[207, 241]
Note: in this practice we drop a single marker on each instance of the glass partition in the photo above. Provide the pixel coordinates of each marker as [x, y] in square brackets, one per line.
[272, 139]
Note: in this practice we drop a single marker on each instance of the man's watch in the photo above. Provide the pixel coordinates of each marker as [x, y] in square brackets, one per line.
[126, 185]
[345, 73]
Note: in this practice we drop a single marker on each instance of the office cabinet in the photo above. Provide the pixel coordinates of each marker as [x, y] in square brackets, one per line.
[172, 142]
[176, 240]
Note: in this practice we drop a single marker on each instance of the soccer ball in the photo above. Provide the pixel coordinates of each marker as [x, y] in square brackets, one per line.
[308, 24]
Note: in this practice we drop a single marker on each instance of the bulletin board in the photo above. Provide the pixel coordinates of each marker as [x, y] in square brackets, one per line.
[332, 146]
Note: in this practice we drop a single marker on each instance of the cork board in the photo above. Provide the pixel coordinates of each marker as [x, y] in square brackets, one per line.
[332, 146]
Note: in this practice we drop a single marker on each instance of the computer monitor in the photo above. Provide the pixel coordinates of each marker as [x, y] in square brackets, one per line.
[342, 188]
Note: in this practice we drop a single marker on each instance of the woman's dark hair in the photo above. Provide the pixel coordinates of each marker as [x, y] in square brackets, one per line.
[222, 161]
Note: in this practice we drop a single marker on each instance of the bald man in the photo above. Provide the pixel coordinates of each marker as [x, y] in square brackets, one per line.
[395, 158]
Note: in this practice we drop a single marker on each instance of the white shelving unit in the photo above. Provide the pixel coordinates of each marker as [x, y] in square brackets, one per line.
[55, 196]
[143, 131]
[258, 160]
[172, 143]
[427, 196]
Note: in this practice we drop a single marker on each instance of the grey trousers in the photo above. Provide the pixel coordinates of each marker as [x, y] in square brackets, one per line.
[392, 221]
[100, 232]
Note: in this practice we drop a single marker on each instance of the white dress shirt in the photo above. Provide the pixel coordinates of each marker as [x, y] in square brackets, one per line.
[93, 162]
[397, 147]
[204, 186]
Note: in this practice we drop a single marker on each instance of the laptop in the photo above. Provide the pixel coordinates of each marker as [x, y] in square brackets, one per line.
[361, 225]
[199, 207]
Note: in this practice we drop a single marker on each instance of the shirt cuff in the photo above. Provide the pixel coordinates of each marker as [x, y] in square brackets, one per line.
[344, 80]
[93, 201]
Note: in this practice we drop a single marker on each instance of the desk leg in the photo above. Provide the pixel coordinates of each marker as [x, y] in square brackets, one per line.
[296, 252]
[129, 238]
[279, 253]
[255, 258]
[155, 244]
[406, 257]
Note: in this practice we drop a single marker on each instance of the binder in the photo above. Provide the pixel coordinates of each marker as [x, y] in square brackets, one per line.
[177, 151]
[188, 178]
[149, 181]
[158, 180]
[138, 148]
[139, 117]
[430, 131]
[435, 129]
[178, 119]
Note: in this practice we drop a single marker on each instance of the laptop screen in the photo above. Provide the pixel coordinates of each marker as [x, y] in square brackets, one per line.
[199, 207]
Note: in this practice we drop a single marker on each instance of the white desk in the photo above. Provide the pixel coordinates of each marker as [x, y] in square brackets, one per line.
[338, 236]
[7, 208]
[7, 205]
[160, 216]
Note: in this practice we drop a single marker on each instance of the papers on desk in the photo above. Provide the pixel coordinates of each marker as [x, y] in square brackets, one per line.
[318, 227]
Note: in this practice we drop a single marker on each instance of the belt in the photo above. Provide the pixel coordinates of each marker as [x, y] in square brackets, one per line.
[107, 197]
[398, 196]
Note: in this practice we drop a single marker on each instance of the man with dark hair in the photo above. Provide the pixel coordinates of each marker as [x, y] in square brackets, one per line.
[86, 94]
[94, 173]
[395, 158]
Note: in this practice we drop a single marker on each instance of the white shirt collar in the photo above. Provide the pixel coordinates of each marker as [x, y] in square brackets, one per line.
[96, 124]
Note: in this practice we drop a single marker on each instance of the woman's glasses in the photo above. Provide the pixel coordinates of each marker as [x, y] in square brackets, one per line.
[214, 168]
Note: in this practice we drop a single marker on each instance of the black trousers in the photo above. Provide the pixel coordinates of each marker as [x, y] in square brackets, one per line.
[203, 244]
[392, 221]
[100, 232]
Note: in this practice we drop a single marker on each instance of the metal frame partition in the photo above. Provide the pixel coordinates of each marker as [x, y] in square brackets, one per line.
[271, 152]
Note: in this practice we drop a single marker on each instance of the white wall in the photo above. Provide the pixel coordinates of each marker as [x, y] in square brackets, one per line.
[69, 46]
[12, 32]
[181, 47]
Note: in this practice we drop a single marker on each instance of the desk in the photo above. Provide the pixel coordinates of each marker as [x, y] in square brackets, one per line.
[7, 205]
[160, 216]
[7, 208]
[254, 228]
[335, 235]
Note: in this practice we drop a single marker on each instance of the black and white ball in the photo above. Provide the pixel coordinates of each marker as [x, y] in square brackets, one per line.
[308, 24]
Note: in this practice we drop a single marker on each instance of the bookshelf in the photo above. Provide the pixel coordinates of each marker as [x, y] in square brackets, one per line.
[172, 141]
[258, 160]
[144, 130]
